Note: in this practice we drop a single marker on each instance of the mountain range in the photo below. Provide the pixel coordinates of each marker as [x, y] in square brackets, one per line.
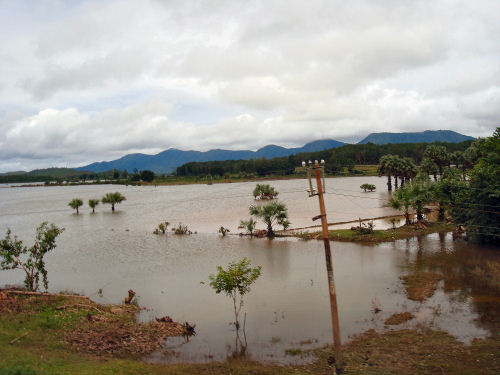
[420, 137]
[166, 161]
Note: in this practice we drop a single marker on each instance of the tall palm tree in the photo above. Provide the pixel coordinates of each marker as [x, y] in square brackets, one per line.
[439, 155]
[385, 168]
[113, 198]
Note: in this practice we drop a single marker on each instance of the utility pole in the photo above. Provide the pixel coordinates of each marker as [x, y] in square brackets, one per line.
[318, 170]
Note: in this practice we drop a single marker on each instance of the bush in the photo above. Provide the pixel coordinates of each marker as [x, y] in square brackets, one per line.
[13, 255]
[366, 187]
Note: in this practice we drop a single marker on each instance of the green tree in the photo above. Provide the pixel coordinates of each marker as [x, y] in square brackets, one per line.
[476, 205]
[112, 199]
[93, 204]
[413, 195]
[366, 187]
[386, 167]
[249, 225]
[147, 176]
[444, 190]
[439, 155]
[264, 192]
[271, 213]
[429, 167]
[235, 283]
[13, 255]
[223, 231]
[75, 204]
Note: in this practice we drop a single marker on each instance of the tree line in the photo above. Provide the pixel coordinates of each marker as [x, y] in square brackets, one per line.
[336, 160]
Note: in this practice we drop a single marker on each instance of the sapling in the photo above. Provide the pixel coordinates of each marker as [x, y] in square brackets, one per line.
[235, 282]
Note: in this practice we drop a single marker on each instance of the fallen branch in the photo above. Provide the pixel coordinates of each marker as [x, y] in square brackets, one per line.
[78, 304]
[18, 338]
[22, 292]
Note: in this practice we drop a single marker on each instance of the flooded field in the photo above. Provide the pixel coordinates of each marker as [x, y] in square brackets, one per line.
[105, 254]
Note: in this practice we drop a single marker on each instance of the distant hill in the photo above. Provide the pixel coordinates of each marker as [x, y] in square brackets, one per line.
[427, 136]
[166, 161]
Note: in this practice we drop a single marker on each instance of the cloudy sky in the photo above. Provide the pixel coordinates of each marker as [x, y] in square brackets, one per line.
[84, 81]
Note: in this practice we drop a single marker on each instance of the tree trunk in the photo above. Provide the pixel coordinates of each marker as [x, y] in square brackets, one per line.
[441, 213]
[435, 177]
[77, 210]
[270, 232]
[396, 182]
[389, 183]
[93, 210]
[407, 219]
[113, 207]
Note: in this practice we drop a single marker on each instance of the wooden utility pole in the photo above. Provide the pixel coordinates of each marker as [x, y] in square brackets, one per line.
[317, 169]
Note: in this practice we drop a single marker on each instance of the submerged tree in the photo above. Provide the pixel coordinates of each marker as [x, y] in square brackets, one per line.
[13, 255]
[235, 282]
[271, 213]
[112, 199]
[248, 225]
[366, 187]
[75, 204]
[93, 204]
[264, 192]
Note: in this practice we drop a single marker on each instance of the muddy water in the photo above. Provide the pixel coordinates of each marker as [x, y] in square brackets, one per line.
[287, 308]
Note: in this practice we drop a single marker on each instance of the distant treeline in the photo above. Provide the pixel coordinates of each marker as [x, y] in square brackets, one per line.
[336, 160]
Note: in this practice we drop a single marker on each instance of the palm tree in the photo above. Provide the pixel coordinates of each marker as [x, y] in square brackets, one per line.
[439, 155]
[429, 167]
[113, 198]
[271, 213]
[93, 203]
[386, 168]
[412, 195]
[75, 203]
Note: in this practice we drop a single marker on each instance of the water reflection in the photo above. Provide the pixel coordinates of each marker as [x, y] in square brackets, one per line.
[288, 306]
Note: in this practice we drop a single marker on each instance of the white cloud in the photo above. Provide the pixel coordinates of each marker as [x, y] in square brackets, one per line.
[91, 80]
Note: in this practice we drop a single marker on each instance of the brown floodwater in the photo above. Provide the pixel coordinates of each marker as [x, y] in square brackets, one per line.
[105, 254]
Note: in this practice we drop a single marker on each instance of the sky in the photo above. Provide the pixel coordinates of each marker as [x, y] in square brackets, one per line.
[85, 81]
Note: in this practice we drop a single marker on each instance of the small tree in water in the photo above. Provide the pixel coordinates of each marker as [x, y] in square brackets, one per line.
[235, 282]
[75, 203]
[271, 213]
[112, 199]
[264, 192]
[249, 225]
[93, 203]
[14, 255]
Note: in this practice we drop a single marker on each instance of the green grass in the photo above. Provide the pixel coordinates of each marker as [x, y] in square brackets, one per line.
[43, 351]
[388, 235]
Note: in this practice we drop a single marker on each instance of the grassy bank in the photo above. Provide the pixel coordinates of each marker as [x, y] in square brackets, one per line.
[44, 326]
[388, 235]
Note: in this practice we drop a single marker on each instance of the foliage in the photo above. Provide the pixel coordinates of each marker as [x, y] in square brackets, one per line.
[112, 199]
[75, 203]
[366, 187]
[413, 195]
[264, 192]
[147, 175]
[235, 282]
[476, 204]
[336, 160]
[13, 255]
[248, 225]
[161, 228]
[223, 231]
[181, 229]
[439, 155]
[271, 213]
[429, 167]
[366, 228]
[93, 204]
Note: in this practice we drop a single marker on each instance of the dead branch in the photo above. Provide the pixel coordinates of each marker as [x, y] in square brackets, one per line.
[18, 338]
